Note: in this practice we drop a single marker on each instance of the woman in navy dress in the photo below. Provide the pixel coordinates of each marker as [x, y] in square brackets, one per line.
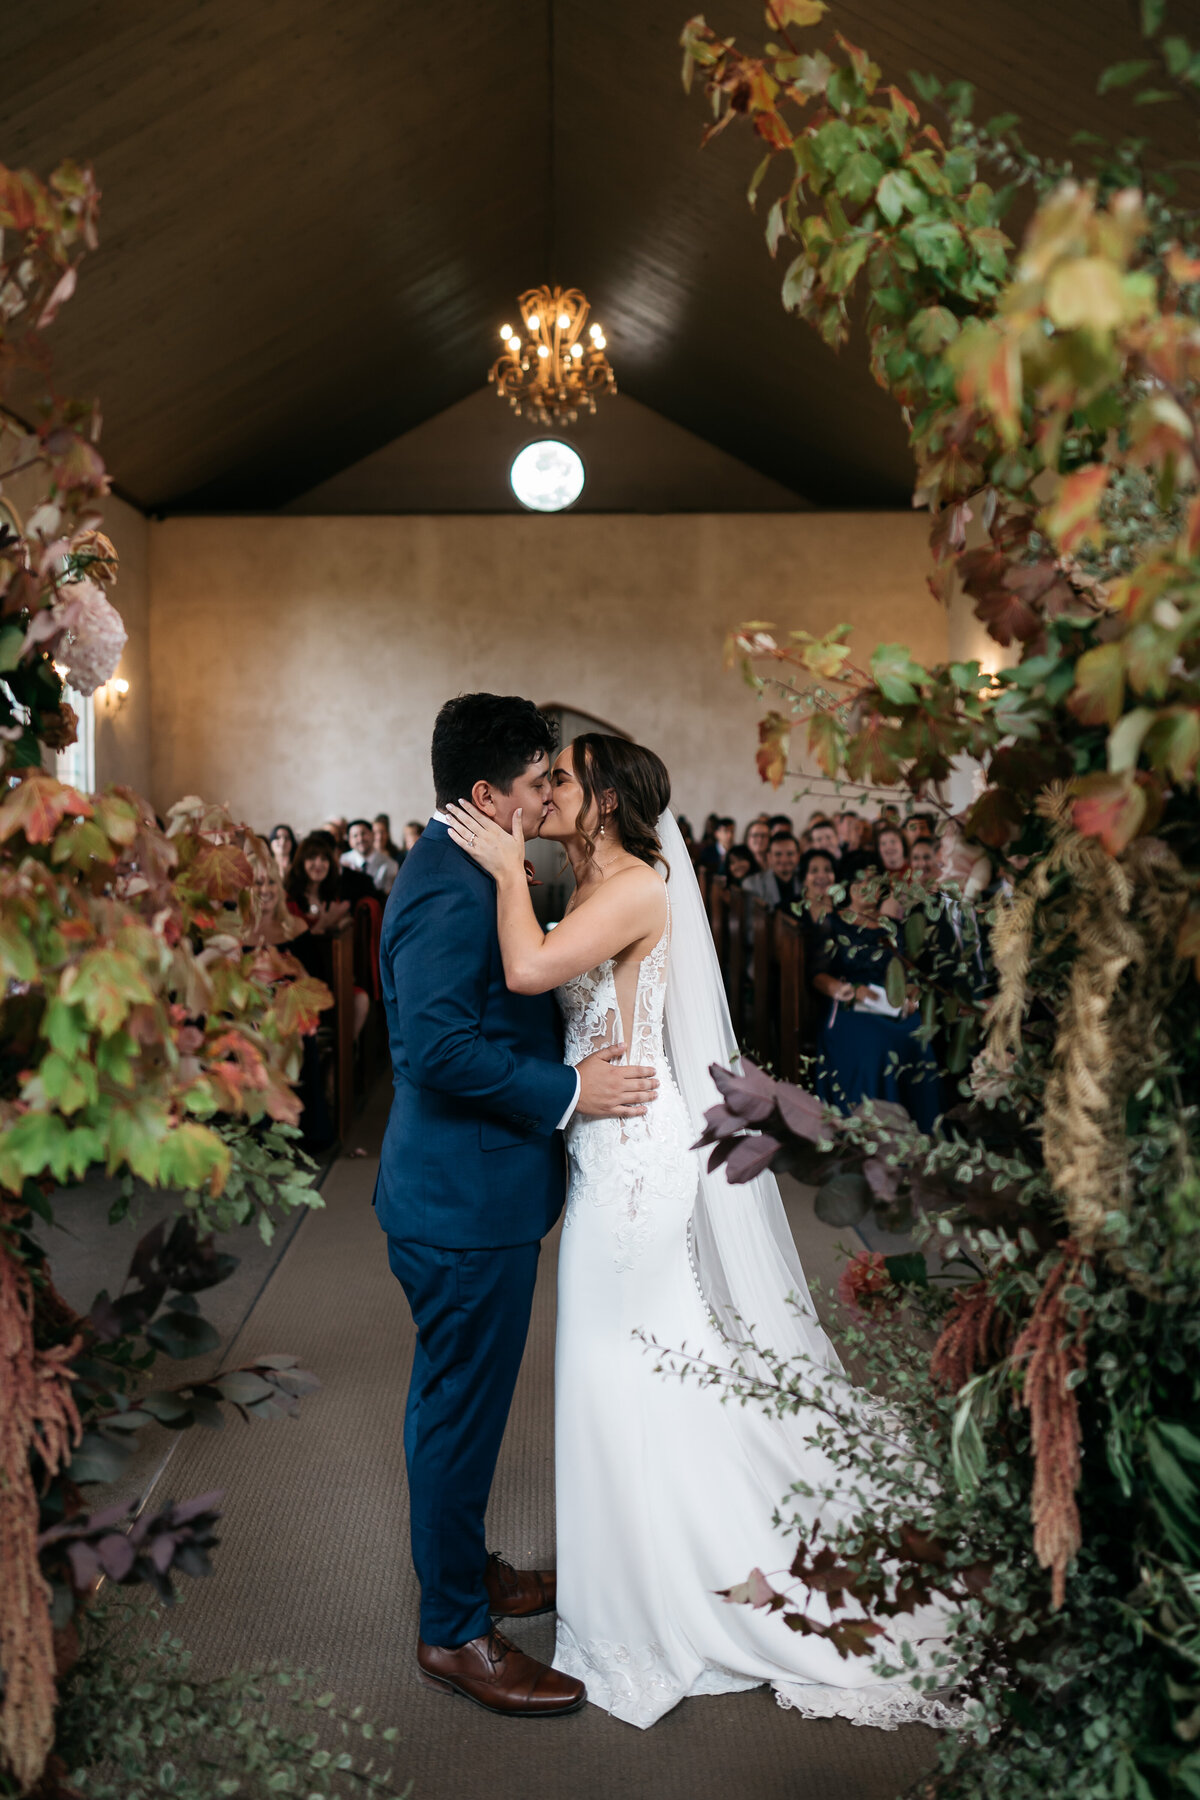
[867, 1055]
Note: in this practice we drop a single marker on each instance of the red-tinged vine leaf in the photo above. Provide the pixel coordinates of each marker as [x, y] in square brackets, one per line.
[826, 740]
[192, 1157]
[920, 1547]
[772, 130]
[948, 533]
[872, 752]
[987, 360]
[756, 1590]
[1191, 530]
[1072, 517]
[1109, 807]
[38, 805]
[774, 736]
[299, 1004]
[1007, 616]
[220, 871]
[106, 983]
[1099, 691]
[996, 817]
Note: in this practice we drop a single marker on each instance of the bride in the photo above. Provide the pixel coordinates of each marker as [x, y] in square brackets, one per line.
[664, 1494]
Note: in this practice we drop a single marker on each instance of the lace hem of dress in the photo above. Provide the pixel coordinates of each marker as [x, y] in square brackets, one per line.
[636, 1685]
[885, 1707]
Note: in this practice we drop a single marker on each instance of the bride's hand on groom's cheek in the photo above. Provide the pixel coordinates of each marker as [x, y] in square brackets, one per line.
[494, 849]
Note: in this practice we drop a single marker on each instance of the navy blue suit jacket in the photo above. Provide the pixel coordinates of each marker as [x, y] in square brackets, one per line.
[472, 1157]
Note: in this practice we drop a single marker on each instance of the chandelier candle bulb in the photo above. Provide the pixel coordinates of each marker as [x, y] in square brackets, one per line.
[569, 370]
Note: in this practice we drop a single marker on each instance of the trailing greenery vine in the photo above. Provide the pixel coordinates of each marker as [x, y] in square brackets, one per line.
[1051, 392]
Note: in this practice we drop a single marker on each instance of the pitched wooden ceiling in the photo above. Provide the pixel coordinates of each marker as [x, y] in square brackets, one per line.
[317, 212]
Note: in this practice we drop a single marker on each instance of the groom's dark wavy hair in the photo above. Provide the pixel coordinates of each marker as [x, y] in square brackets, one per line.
[640, 790]
[486, 737]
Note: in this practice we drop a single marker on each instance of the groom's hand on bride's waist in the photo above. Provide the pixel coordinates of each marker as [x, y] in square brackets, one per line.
[609, 1092]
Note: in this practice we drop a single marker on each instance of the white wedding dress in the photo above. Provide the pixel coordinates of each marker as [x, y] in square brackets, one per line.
[664, 1493]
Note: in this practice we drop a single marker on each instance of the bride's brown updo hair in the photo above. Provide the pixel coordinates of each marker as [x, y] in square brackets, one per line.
[637, 778]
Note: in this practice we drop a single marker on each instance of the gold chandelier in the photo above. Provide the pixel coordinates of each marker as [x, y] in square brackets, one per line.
[550, 370]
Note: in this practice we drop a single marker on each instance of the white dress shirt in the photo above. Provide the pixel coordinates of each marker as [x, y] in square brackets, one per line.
[567, 1116]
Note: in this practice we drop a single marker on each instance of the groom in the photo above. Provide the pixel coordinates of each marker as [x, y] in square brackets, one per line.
[471, 1178]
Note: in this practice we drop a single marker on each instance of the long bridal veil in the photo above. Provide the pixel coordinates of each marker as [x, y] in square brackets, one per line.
[745, 1259]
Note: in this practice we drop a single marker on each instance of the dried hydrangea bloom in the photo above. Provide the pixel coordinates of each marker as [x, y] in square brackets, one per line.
[97, 636]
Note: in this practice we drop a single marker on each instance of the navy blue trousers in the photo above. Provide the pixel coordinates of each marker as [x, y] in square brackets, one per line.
[471, 1309]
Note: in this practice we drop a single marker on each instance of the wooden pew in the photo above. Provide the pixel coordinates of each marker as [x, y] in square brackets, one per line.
[341, 944]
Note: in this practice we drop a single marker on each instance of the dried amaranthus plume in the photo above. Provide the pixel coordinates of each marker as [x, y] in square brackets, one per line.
[1052, 1347]
[974, 1337]
[1118, 921]
[37, 1417]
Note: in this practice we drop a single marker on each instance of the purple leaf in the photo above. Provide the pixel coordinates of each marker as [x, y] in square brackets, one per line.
[883, 1179]
[802, 1113]
[750, 1156]
[85, 1564]
[116, 1555]
[191, 1509]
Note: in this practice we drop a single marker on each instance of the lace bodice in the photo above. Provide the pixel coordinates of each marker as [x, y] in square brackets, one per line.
[636, 1170]
[592, 1012]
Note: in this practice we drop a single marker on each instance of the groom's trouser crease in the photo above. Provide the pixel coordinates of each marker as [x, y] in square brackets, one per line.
[314, 1564]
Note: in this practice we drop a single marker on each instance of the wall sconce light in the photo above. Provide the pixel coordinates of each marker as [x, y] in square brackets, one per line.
[115, 692]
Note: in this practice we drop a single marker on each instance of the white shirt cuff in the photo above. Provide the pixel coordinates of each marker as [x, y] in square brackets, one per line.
[566, 1118]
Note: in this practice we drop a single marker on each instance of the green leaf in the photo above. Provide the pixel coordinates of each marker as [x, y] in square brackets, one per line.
[896, 675]
[183, 1335]
[11, 639]
[798, 283]
[1153, 14]
[1120, 74]
[756, 180]
[775, 226]
[908, 1269]
[895, 982]
[898, 193]
[937, 243]
[858, 176]
[916, 929]
[97, 1458]
[1125, 739]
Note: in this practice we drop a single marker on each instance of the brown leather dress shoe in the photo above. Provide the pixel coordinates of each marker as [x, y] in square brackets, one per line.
[500, 1678]
[518, 1593]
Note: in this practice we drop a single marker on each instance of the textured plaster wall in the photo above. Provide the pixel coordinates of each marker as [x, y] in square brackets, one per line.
[297, 663]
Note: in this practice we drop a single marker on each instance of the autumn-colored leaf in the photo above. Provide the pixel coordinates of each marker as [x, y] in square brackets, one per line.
[825, 742]
[1072, 516]
[801, 13]
[1099, 691]
[38, 805]
[774, 736]
[1086, 292]
[1109, 807]
[298, 1004]
[221, 871]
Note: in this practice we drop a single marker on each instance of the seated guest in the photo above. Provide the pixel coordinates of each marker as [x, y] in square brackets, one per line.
[336, 827]
[381, 838]
[918, 825]
[353, 884]
[713, 855]
[850, 831]
[818, 874]
[922, 861]
[363, 856]
[780, 822]
[779, 883]
[891, 849]
[823, 833]
[758, 836]
[283, 849]
[738, 864]
[315, 894]
[412, 832]
[865, 1051]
